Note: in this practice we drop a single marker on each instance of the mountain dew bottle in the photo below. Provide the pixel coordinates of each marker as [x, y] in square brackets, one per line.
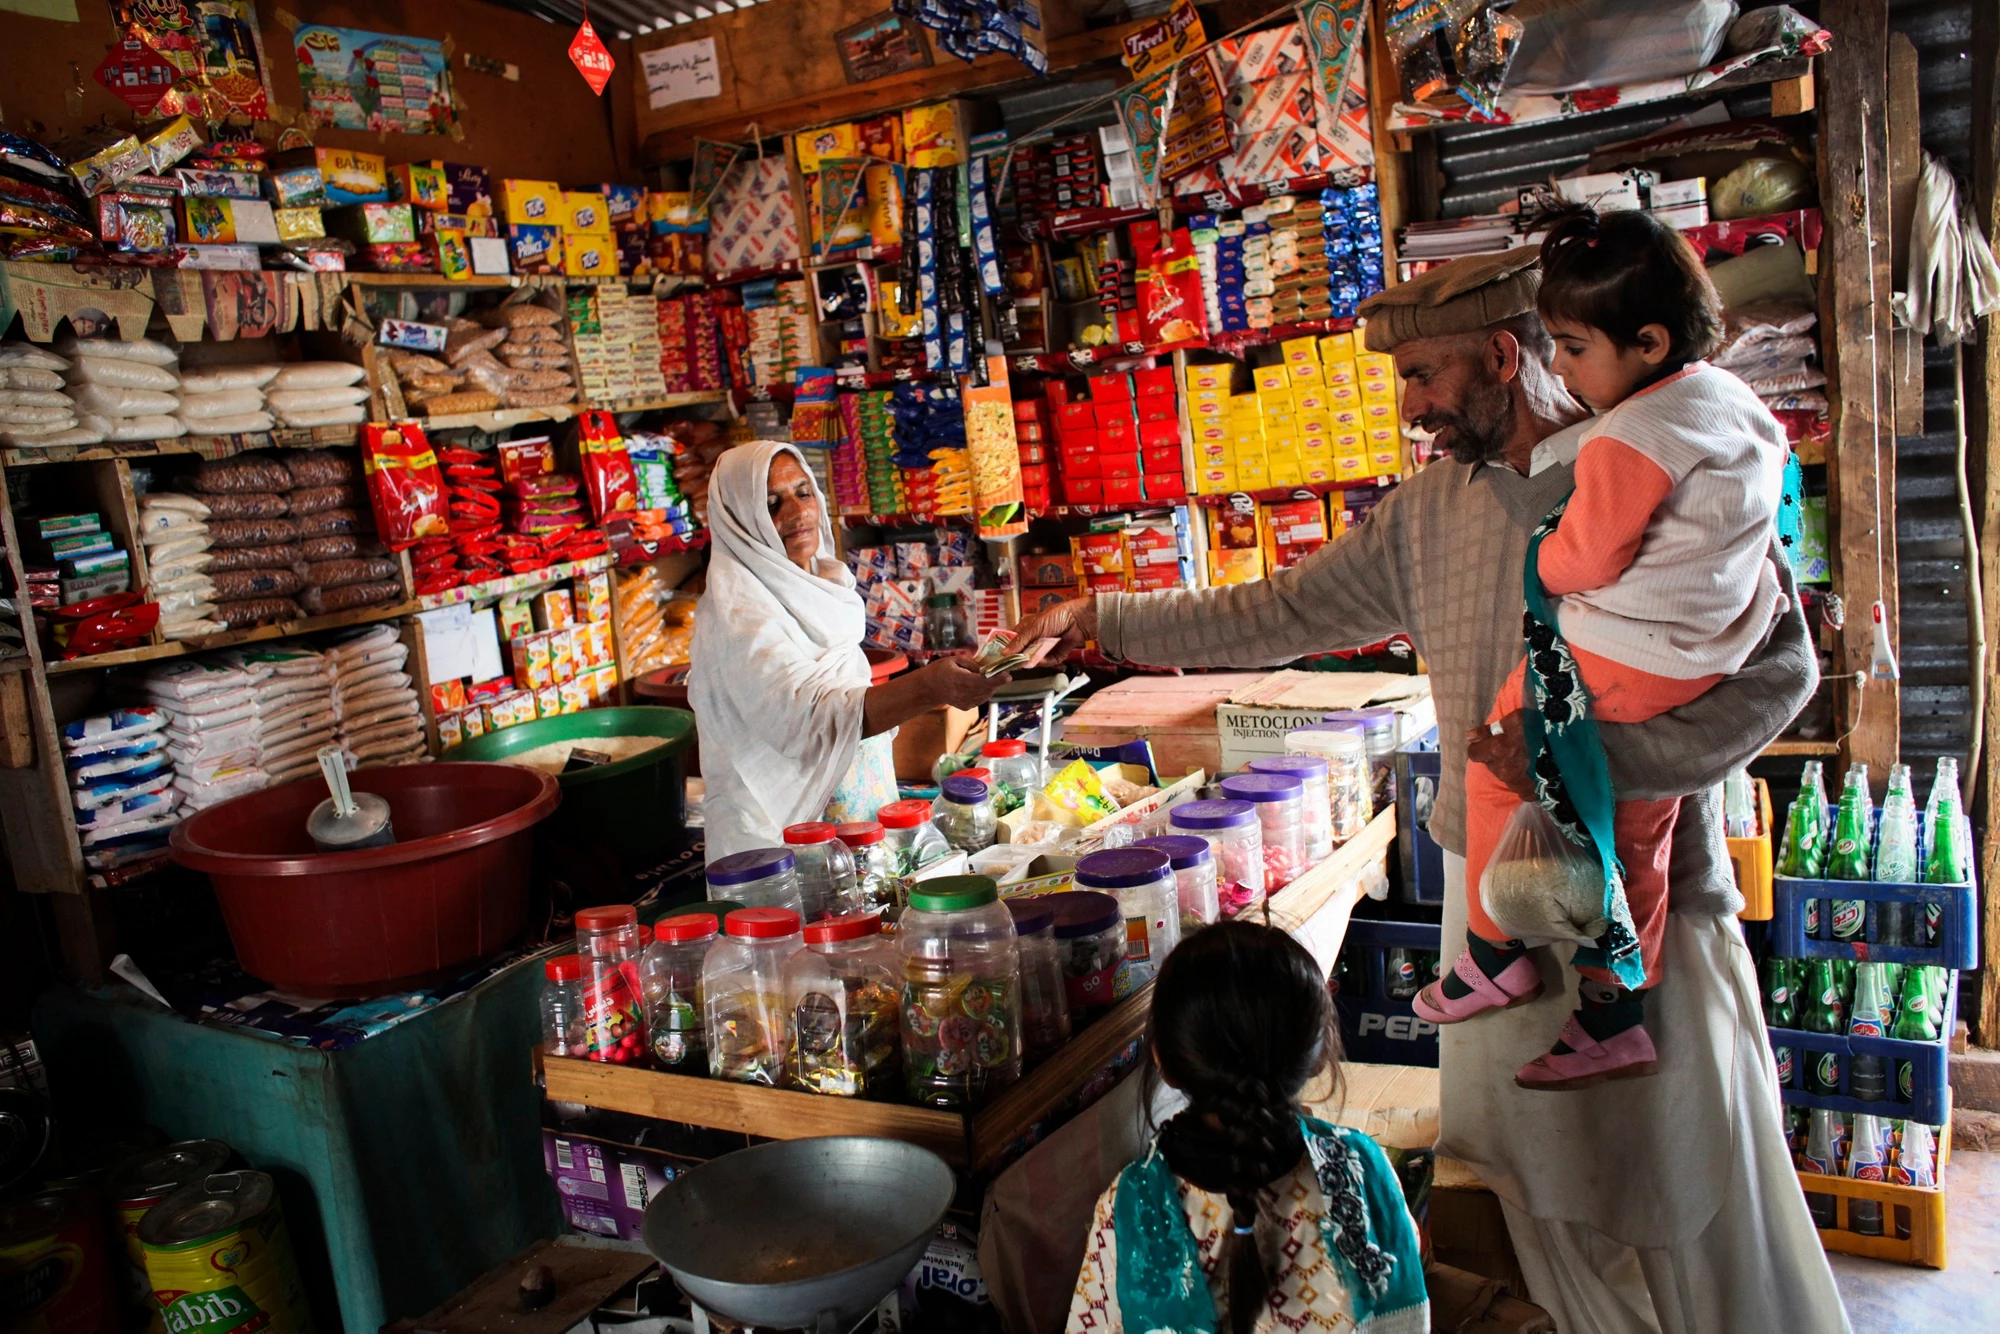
[1802, 850]
[1916, 1021]
[1822, 1015]
[1781, 1011]
[1847, 854]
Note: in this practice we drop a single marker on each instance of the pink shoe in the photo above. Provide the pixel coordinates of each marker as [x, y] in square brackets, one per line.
[1519, 982]
[1626, 1055]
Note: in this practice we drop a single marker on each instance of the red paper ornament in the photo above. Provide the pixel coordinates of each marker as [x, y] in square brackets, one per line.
[591, 59]
[136, 74]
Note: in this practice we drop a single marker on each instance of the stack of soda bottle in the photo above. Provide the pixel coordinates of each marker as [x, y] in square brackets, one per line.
[1864, 999]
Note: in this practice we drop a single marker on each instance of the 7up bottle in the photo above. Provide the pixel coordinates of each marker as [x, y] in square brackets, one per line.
[1916, 1021]
[1896, 855]
[1847, 856]
[1822, 1015]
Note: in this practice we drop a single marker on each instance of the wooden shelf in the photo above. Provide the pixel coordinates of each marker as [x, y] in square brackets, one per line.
[1791, 745]
[975, 1141]
[203, 446]
[1790, 82]
[436, 280]
[499, 419]
[281, 630]
[686, 398]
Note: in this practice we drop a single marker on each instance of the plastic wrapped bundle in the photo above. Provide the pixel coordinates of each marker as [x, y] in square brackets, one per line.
[35, 413]
[174, 529]
[212, 727]
[295, 705]
[378, 717]
[121, 780]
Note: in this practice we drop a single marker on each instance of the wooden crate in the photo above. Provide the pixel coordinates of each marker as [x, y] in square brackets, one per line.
[977, 1141]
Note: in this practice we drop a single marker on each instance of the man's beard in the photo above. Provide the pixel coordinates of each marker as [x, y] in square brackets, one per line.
[1479, 428]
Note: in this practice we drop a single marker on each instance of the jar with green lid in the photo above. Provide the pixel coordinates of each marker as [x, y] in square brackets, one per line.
[961, 993]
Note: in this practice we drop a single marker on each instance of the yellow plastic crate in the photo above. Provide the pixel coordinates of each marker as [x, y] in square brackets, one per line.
[1923, 1206]
[1752, 859]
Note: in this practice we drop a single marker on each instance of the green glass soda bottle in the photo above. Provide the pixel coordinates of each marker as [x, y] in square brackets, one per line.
[1781, 1011]
[1916, 1021]
[1822, 1015]
[1847, 853]
[1802, 852]
[1947, 859]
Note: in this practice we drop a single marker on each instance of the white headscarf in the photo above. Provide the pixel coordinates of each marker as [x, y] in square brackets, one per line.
[778, 675]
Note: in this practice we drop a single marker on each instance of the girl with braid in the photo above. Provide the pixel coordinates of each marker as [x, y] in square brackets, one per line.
[1246, 1214]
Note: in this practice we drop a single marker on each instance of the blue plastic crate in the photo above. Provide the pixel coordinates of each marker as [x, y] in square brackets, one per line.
[1418, 766]
[1375, 1028]
[1958, 928]
[1930, 1073]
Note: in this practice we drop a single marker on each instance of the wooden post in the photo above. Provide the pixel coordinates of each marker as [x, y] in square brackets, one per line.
[1982, 420]
[1906, 161]
[1855, 288]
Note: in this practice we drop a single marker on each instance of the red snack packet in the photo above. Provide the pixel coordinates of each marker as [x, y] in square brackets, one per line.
[1170, 300]
[607, 469]
[404, 485]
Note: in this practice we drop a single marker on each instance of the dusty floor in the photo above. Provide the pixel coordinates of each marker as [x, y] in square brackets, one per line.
[1896, 1299]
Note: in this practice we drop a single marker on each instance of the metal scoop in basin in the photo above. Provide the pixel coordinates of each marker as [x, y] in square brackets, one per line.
[800, 1234]
[347, 820]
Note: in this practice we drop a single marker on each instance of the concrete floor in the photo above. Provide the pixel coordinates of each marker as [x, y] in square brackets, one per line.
[1898, 1299]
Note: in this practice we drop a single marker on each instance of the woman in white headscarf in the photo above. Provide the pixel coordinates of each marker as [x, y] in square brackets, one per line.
[791, 728]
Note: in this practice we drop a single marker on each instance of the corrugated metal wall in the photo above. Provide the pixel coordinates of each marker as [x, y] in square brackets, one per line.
[1484, 167]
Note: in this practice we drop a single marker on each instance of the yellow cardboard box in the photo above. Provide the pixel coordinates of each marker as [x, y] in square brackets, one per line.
[586, 212]
[830, 141]
[930, 136]
[533, 202]
[586, 256]
[1351, 468]
[1273, 379]
[1345, 396]
[1338, 347]
[1338, 373]
[1310, 399]
[1218, 376]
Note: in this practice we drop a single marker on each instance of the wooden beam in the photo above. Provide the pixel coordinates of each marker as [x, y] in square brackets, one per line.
[948, 77]
[1906, 160]
[1982, 420]
[1792, 97]
[1855, 288]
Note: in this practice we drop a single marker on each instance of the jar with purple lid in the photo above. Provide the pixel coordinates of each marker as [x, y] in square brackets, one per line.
[966, 815]
[1194, 877]
[1044, 1004]
[1350, 781]
[1280, 803]
[1383, 728]
[1142, 880]
[758, 878]
[1090, 934]
[1316, 811]
[1236, 838]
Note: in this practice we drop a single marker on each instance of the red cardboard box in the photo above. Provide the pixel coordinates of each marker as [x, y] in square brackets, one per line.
[1083, 490]
[1035, 475]
[1027, 410]
[1158, 408]
[1077, 416]
[1105, 411]
[1082, 441]
[1150, 384]
[1111, 388]
[1167, 432]
[1048, 569]
[1044, 598]
[1166, 486]
[1162, 458]
[1122, 491]
[1120, 465]
[1120, 434]
[1082, 463]
[1032, 453]
[1104, 583]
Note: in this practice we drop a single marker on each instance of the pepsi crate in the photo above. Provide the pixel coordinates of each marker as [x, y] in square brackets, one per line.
[1376, 1028]
[1418, 766]
[1958, 926]
[1930, 1068]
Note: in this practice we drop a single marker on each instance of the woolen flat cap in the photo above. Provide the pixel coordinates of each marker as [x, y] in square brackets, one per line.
[1460, 297]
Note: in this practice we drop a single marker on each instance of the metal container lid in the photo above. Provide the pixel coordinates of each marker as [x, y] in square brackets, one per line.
[743, 868]
[1183, 850]
[33, 1216]
[156, 1175]
[219, 1203]
[1122, 868]
[1212, 815]
[1083, 912]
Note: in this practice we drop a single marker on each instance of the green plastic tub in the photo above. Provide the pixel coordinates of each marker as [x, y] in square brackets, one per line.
[614, 819]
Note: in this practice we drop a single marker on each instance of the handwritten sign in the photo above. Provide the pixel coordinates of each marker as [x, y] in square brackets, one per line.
[687, 72]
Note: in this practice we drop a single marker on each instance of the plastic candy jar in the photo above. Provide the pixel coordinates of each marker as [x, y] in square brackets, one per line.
[911, 835]
[562, 1007]
[1350, 781]
[845, 991]
[1194, 877]
[966, 815]
[875, 877]
[1316, 813]
[1280, 803]
[1236, 838]
[961, 993]
[743, 995]
[947, 622]
[1044, 1002]
[825, 867]
[1142, 880]
[670, 981]
[1383, 728]
[759, 878]
[1090, 931]
[1017, 775]
[607, 943]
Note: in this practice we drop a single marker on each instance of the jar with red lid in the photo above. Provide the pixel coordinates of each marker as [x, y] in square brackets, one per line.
[1017, 774]
[608, 945]
[743, 995]
[911, 836]
[876, 888]
[825, 868]
[844, 992]
[670, 981]
[562, 1007]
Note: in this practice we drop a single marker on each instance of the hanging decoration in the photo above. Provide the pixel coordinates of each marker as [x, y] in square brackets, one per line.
[592, 60]
[136, 74]
[970, 29]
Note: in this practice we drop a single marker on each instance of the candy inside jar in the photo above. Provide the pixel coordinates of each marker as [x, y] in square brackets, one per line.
[825, 868]
[845, 1001]
[961, 993]
[1235, 837]
[877, 886]
[910, 835]
[1017, 775]
[670, 981]
[1142, 880]
[1280, 801]
[1044, 1001]
[1350, 780]
[608, 943]
[1194, 877]
[1315, 807]
[1090, 933]
[745, 1016]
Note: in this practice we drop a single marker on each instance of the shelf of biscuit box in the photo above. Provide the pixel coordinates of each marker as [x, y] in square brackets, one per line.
[229, 639]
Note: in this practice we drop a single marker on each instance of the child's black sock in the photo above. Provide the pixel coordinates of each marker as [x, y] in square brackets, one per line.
[1492, 960]
[1606, 1011]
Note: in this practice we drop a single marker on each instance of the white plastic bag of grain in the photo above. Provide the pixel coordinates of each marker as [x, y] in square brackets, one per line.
[246, 424]
[121, 374]
[108, 400]
[316, 375]
[221, 402]
[175, 500]
[55, 417]
[353, 416]
[134, 428]
[143, 350]
[36, 398]
[215, 379]
[29, 357]
[287, 401]
[51, 439]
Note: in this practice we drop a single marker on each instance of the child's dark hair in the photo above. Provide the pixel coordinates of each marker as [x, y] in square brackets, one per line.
[1242, 1021]
[1623, 270]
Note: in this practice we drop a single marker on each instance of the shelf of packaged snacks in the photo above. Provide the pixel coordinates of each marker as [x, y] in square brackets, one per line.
[1269, 494]
[229, 639]
[1075, 222]
[974, 1141]
[435, 280]
[513, 583]
[855, 379]
[1237, 342]
[868, 254]
[206, 446]
[641, 552]
[499, 419]
[1784, 75]
[687, 398]
[1079, 358]
[1245, 195]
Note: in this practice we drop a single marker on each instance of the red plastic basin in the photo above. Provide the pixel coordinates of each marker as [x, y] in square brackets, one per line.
[453, 889]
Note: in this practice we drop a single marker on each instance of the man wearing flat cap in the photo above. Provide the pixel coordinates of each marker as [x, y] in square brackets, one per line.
[1667, 1202]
